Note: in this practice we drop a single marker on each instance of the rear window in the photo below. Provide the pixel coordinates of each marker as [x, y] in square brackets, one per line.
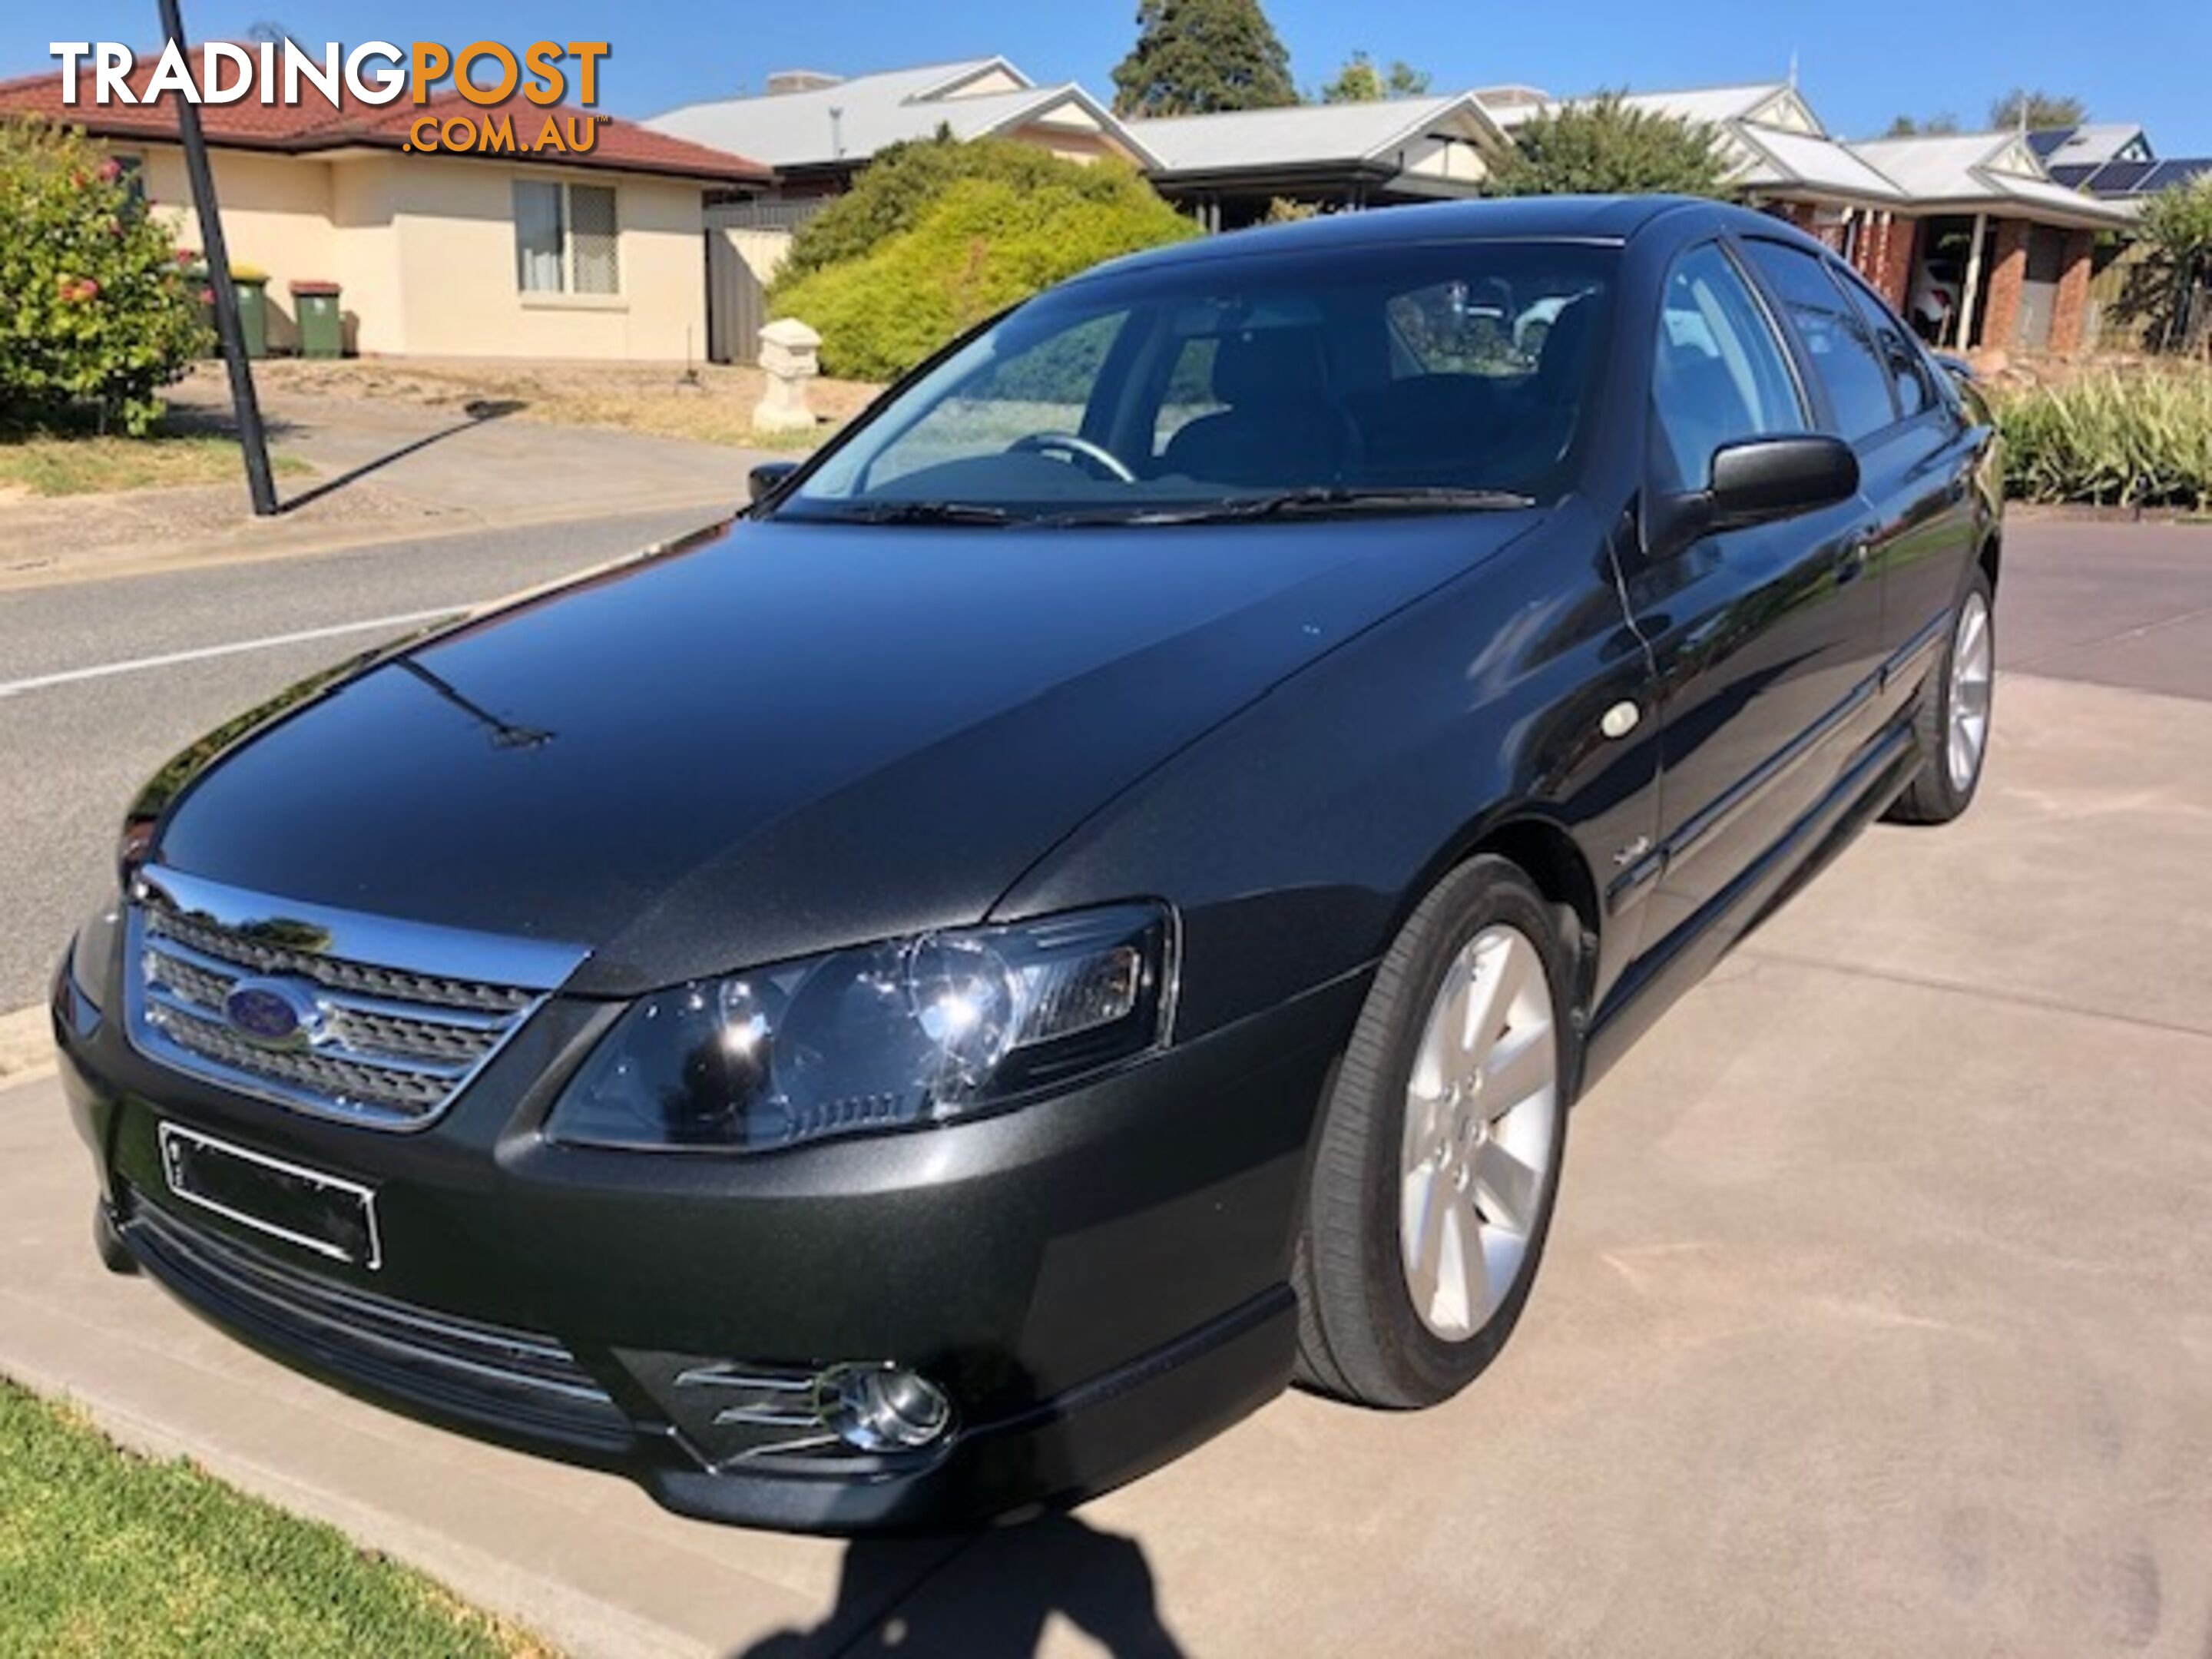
[1842, 348]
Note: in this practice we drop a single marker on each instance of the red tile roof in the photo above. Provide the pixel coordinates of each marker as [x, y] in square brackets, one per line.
[317, 124]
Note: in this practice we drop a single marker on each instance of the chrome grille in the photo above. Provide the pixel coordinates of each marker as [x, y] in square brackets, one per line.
[388, 1033]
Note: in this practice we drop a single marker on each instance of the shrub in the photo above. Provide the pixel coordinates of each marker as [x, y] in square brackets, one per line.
[95, 308]
[2174, 265]
[2143, 439]
[905, 181]
[977, 245]
[1605, 146]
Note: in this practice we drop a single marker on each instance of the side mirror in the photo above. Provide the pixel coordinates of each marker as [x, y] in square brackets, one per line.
[764, 480]
[1758, 481]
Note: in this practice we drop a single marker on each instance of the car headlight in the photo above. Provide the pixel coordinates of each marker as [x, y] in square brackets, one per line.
[910, 1032]
[93, 951]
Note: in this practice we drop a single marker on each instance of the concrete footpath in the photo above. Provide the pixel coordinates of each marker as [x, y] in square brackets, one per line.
[1874, 1321]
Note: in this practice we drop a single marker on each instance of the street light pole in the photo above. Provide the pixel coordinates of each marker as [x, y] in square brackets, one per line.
[251, 437]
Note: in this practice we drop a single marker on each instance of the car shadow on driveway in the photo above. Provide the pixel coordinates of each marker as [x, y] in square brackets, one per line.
[994, 1595]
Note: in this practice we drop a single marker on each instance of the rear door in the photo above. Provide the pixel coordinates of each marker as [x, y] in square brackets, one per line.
[1916, 452]
[1763, 635]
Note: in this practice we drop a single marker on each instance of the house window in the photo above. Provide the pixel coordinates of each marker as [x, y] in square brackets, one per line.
[565, 238]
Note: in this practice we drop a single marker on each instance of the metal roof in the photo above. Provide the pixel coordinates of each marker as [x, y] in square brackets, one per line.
[1812, 161]
[2091, 142]
[1989, 170]
[848, 121]
[1299, 135]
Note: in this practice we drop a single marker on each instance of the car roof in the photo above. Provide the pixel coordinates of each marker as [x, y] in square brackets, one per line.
[1602, 219]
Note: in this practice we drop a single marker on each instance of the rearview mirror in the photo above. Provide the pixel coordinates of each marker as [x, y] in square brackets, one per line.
[767, 478]
[1758, 481]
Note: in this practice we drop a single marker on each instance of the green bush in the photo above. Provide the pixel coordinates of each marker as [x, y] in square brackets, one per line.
[1604, 146]
[95, 308]
[2140, 439]
[987, 234]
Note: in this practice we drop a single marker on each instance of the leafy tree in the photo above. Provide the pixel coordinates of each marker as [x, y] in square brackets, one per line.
[95, 308]
[2043, 110]
[2172, 271]
[1360, 82]
[989, 233]
[1194, 56]
[1603, 146]
[1935, 126]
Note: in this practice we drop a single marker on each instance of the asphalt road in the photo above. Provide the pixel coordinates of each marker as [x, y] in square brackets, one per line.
[73, 750]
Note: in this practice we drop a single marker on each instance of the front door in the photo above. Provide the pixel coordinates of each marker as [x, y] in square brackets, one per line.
[1763, 637]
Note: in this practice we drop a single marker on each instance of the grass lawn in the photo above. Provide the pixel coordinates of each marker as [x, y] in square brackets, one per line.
[106, 1553]
[74, 464]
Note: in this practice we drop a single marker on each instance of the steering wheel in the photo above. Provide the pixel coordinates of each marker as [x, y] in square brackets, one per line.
[1077, 450]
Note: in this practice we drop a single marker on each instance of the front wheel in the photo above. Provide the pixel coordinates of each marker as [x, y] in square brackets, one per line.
[1440, 1148]
[1952, 722]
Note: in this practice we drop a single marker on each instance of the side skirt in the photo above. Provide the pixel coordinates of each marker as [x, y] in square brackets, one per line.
[1653, 984]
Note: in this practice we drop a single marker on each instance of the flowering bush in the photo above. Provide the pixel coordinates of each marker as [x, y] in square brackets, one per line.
[96, 304]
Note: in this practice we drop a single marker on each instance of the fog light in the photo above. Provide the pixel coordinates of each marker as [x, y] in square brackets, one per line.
[880, 1408]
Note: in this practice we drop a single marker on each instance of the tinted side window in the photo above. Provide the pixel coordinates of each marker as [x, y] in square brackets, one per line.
[1718, 373]
[1843, 353]
[1909, 378]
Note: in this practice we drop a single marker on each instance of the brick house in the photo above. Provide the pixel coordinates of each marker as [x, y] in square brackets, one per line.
[1967, 233]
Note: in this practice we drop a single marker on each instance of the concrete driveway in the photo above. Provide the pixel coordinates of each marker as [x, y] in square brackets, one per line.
[1875, 1320]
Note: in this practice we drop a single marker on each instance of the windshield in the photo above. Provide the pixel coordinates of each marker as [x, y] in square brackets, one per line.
[1428, 376]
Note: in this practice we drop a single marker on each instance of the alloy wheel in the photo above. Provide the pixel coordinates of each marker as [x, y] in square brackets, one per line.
[1481, 1106]
[1971, 666]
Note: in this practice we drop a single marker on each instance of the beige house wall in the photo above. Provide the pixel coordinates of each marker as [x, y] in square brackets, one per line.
[276, 217]
[423, 248]
[455, 230]
[1070, 143]
[362, 190]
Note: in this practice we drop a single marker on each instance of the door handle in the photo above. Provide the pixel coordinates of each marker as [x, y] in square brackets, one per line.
[1852, 562]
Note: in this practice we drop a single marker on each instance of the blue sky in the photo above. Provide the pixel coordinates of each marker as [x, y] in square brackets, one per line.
[1859, 63]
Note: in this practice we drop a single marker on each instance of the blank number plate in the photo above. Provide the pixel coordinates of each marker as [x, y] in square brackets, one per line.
[323, 1214]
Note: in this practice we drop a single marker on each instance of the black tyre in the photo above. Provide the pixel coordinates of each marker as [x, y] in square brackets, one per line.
[1440, 1147]
[1951, 721]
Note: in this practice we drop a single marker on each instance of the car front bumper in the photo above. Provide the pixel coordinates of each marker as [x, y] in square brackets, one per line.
[1097, 1282]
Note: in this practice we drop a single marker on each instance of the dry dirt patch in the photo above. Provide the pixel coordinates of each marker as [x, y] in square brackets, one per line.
[712, 403]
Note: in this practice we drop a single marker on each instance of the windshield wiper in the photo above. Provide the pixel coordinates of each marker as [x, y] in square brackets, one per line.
[1318, 498]
[921, 512]
[1337, 498]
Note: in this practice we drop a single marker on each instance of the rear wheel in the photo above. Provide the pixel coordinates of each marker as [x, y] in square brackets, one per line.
[1953, 720]
[1440, 1148]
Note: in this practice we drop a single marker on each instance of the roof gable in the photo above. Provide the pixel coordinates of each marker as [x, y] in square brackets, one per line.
[1306, 135]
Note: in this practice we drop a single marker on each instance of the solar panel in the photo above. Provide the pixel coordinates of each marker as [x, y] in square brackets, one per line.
[2163, 175]
[2123, 178]
[2045, 142]
[2071, 174]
